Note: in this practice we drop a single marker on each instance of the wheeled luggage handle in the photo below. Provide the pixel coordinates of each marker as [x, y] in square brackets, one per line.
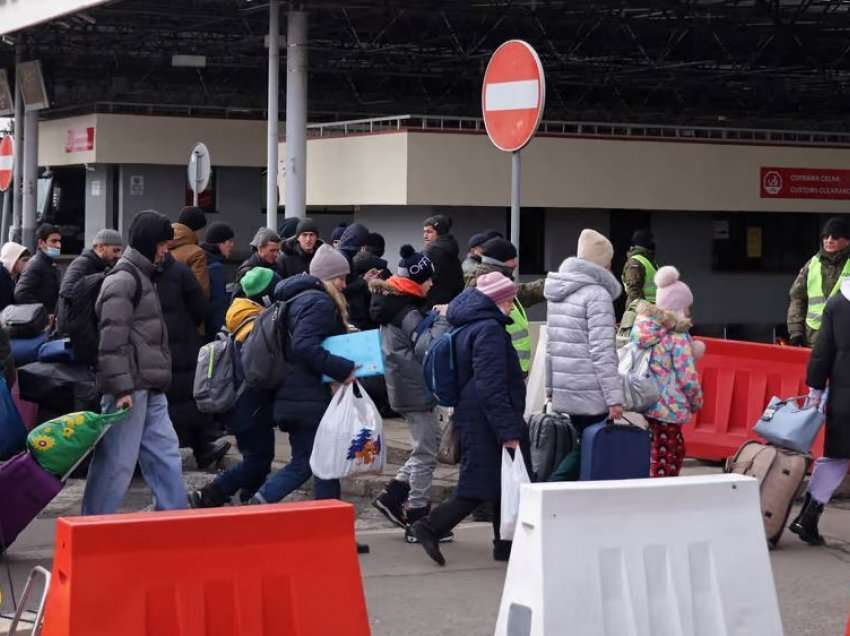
[25, 595]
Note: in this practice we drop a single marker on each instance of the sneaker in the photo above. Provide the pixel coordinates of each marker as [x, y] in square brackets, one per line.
[390, 502]
[210, 496]
[411, 538]
[428, 541]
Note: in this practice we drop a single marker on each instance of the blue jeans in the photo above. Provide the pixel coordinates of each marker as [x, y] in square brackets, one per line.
[297, 471]
[146, 436]
[256, 443]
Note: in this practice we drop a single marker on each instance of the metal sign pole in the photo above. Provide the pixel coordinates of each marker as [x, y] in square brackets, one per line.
[197, 178]
[515, 201]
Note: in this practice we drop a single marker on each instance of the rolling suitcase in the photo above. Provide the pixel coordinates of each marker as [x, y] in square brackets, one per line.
[780, 474]
[552, 438]
[614, 451]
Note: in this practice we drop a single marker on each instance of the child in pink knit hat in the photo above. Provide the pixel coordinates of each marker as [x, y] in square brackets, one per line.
[663, 330]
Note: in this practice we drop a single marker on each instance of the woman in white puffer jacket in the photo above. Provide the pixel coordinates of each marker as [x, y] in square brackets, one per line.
[581, 366]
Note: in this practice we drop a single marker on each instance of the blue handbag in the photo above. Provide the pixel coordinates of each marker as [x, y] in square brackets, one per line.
[786, 425]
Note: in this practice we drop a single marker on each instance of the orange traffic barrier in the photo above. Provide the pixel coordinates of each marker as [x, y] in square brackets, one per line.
[253, 571]
[738, 380]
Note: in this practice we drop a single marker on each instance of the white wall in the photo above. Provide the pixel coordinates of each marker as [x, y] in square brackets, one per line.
[51, 141]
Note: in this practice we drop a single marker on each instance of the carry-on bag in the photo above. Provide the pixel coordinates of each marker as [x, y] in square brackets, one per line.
[552, 438]
[780, 474]
[614, 451]
[24, 321]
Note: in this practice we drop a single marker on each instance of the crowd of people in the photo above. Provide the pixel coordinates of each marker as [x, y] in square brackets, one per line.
[166, 293]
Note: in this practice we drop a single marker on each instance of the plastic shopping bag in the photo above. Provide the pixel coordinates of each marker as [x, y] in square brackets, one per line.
[350, 439]
[535, 391]
[514, 476]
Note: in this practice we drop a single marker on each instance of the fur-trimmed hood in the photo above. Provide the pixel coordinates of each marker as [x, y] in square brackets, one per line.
[669, 320]
[653, 323]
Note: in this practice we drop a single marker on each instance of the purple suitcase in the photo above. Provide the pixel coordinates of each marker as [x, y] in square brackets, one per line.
[25, 489]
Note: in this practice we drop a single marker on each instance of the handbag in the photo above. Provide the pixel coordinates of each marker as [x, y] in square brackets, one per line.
[24, 321]
[639, 388]
[449, 449]
[786, 425]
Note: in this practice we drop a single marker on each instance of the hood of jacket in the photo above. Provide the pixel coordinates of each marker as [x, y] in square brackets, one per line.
[471, 306]
[353, 239]
[294, 285]
[240, 310]
[183, 235]
[576, 273]
[445, 243]
[10, 254]
[664, 322]
[389, 301]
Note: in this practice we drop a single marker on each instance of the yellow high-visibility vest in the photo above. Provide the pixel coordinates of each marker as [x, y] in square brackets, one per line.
[814, 290]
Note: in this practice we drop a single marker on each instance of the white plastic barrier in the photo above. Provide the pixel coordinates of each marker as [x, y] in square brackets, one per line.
[683, 556]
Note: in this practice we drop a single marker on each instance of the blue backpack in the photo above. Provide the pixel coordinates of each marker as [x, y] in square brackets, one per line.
[440, 367]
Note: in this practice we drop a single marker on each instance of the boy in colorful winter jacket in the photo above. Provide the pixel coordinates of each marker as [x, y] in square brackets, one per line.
[663, 330]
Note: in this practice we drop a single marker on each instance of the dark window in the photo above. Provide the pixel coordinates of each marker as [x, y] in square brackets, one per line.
[532, 248]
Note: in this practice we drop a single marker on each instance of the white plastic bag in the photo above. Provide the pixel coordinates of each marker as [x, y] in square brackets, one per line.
[535, 391]
[514, 476]
[350, 439]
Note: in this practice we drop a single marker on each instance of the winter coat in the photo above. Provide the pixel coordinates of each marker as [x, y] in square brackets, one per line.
[448, 275]
[468, 266]
[87, 269]
[7, 289]
[302, 397]
[217, 307]
[528, 294]
[357, 292]
[250, 263]
[398, 315]
[185, 249]
[184, 307]
[672, 363]
[490, 409]
[830, 362]
[831, 268]
[293, 260]
[581, 366]
[133, 353]
[39, 282]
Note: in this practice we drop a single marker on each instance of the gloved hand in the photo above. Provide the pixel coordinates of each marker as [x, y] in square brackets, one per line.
[797, 340]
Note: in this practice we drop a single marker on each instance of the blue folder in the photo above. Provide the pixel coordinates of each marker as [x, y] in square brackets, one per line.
[361, 347]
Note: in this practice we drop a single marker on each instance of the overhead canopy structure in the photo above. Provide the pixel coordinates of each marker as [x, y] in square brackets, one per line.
[774, 63]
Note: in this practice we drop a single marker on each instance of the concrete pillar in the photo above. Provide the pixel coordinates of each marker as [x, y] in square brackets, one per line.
[17, 186]
[273, 115]
[98, 200]
[296, 115]
[30, 178]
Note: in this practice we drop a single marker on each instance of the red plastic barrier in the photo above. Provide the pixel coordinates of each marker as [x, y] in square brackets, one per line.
[253, 571]
[738, 380]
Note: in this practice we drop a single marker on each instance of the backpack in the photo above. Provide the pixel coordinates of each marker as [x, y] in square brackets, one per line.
[552, 438]
[440, 368]
[80, 320]
[24, 321]
[219, 380]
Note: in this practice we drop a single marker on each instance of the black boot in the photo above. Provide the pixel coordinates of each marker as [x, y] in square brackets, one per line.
[391, 502]
[212, 454]
[429, 541]
[805, 525]
[210, 496]
[412, 515]
[502, 550]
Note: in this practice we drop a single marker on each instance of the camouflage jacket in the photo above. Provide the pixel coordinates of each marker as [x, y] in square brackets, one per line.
[528, 294]
[832, 265]
[634, 273]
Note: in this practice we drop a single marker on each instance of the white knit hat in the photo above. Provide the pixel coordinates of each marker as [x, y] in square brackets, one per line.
[594, 247]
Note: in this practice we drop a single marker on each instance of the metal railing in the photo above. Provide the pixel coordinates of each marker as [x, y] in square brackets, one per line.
[586, 129]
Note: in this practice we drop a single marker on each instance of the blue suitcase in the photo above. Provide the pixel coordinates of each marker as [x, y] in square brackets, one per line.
[25, 350]
[614, 451]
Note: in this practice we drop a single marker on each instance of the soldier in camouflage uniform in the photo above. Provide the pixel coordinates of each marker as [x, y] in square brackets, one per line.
[819, 280]
[638, 279]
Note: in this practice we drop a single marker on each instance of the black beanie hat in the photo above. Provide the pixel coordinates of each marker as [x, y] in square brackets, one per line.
[288, 228]
[643, 238]
[193, 218]
[376, 244]
[836, 227]
[414, 265]
[148, 229]
[499, 249]
[441, 223]
[339, 230]
[219, 233]
[306, 225]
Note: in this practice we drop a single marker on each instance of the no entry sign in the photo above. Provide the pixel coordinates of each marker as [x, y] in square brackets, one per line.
[513, 95]
[7, 154]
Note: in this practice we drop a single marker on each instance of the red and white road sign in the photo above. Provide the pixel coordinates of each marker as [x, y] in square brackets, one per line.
[7, 159]
[513, 95]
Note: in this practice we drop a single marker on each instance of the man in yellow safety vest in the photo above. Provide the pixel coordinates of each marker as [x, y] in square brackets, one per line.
[818, 281]
[500, 255]
[638, 278]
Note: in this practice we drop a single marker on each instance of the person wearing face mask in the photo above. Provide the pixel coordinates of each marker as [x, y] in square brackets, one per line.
[818, 281]
[488, 414]
[86, 270]
[14, 258]
[133, 371]
[662, 329]
[39, 282]
[582, 377]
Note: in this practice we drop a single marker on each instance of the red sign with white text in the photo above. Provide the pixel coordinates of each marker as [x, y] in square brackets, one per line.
[805, 183]
[79, 139]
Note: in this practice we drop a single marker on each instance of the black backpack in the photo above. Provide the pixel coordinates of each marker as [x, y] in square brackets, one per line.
[80, 320]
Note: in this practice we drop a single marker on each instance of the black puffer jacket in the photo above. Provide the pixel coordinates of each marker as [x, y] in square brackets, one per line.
[302, 398]
[293, 260]
[86, 264]
[39, 282]
[448, 273]
[357, 291]
[184, 307]
[7, 288]
[250, 263]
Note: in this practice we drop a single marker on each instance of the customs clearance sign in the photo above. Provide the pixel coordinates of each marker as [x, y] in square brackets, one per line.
[805, 183]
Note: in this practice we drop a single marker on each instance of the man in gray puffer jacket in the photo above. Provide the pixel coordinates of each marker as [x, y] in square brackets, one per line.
[134, 370]
[581, 369]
